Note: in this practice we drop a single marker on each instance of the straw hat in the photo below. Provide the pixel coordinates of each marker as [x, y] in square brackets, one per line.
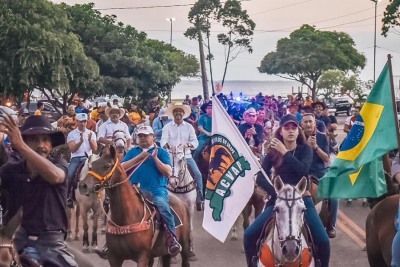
[186, 109]
[115, 107]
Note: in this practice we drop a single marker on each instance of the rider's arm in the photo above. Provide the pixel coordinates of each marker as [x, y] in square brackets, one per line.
[72, 145]
[102, 134]
[163, 162]
[131, 159]
[165, 135]
[193, 138]
[93, 142]
[299, 163]
[261, 180]
[322, 148]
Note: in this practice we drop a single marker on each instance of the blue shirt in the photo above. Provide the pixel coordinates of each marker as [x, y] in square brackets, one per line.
[149, 177]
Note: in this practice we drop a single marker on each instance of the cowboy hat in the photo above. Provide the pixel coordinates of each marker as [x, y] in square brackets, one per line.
[186, 109]
[115, 107]
[39, 125]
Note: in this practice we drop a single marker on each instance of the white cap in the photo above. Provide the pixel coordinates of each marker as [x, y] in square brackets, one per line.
[145, 130]
[81, 117]
[163, 113]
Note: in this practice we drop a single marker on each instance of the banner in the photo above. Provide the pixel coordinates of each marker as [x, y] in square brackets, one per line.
[358, 170]
[231, 178]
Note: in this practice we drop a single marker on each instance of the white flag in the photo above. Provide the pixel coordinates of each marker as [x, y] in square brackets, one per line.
[232, 169]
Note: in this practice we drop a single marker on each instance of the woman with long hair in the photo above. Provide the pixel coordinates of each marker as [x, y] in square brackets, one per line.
[290, 156]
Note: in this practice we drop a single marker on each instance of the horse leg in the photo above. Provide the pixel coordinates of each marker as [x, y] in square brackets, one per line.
[246, 215]
[166, 260]
[77, 212]
[192, 255]
[69, 231]
[96, 216]
[117, 262]
[143, 260]
[85, 225]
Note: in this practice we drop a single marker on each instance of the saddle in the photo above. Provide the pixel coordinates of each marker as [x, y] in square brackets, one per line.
[265, 253]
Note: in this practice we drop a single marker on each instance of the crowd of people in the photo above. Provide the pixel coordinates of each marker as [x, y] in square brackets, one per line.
[296, 137]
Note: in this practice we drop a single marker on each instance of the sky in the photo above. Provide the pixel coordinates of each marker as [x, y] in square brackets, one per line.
[274, 20]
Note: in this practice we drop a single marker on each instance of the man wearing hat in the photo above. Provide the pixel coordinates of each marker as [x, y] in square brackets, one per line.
[81, 142]
[107, 129]
[294, 110]
[252, 132]
[152, 176]
[37, 183]
[159, 123]
[178, 132]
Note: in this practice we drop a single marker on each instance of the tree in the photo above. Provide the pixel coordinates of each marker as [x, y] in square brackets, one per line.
[130, 64]
[336, 82]
[308, 52]
[239, 31]
[391, 16]
[38, 51]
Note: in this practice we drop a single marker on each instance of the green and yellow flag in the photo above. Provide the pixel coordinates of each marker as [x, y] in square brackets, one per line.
[358, 170]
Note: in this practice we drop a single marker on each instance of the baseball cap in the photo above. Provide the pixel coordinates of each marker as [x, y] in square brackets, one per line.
[288, 118]
[163, 113]
[145, 130]
[81, 117]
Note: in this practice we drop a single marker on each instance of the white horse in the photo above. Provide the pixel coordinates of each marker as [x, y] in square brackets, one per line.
[182, 184]
[83, 206]
[285, 242]
[120, 141]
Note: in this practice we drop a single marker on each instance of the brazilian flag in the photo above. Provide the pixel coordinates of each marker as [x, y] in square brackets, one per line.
[357, 170]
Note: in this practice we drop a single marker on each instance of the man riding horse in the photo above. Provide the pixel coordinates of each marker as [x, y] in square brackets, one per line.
[152, 175]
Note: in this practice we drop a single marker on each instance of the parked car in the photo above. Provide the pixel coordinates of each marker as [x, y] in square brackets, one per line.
[48, 110]
[341, 105]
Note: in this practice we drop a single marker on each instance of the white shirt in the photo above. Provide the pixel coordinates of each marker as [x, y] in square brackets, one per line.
[75, 135]
[181, 134]
[108, 128]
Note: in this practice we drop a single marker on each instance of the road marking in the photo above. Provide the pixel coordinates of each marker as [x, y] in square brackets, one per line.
[352, 224]
[355, 238]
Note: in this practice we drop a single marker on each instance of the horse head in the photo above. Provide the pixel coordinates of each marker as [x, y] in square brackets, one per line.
[85, 169]
[119, 140]
[180, 171]
[100, 172]
[289, 218]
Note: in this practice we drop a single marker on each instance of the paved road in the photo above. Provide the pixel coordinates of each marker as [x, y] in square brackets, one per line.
[346, 248]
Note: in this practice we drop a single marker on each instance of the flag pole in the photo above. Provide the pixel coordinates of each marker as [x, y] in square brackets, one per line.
[247, 147]
[393, 99]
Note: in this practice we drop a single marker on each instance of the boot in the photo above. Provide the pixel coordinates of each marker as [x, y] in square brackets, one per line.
[199, 201]
[103, 253]
[173, 245]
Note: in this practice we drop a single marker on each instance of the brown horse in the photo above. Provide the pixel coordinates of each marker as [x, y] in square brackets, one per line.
[131, 230]
[380, 231]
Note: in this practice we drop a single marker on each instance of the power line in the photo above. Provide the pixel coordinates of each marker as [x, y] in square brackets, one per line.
[151, 7]
[282, 7]
[351, 22]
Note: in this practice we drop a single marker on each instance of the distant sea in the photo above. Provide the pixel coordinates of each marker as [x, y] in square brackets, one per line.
[248, 88]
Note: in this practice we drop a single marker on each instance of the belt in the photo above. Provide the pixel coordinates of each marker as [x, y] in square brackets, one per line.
[78, 157]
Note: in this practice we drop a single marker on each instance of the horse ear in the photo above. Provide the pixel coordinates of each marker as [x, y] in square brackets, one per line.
[302, 185]
[105, 150]
[13, 224]
[278, 184]
[112, 151]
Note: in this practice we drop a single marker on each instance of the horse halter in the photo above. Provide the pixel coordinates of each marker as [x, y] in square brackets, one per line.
[11, 249]
[289, 203]
[182, 170]
[119, 138]
[104, 180]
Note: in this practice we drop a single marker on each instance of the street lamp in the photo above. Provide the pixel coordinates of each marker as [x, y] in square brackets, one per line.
[376, 5]
[171, 20]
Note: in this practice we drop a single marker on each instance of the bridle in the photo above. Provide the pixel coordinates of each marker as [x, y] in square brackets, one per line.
[11, 249]
[183, 168]
[119, 138]
[289, 203]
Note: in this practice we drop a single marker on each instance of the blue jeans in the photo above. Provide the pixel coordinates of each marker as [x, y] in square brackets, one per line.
[333, 205]
[73, 165]
[321, 239]
[197, 152]
[162, 203]
[197, 174]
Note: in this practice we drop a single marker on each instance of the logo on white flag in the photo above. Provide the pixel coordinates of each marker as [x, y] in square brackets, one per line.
[225, 167]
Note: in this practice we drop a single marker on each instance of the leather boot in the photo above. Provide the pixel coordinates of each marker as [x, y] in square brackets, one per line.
[173, 245]
[103, 253]
[199, 201]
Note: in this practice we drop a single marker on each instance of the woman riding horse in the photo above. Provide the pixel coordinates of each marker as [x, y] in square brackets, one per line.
[291, 159]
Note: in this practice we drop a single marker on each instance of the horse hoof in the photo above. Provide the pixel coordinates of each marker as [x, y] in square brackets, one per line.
[174, 260]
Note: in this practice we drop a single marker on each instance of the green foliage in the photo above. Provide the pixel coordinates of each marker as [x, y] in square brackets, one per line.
[308, 52]
[391, 16]
[336, 83]
[38, 51]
